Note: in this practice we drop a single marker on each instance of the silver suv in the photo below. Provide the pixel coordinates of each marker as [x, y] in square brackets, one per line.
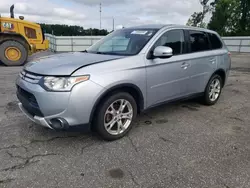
[126, 72]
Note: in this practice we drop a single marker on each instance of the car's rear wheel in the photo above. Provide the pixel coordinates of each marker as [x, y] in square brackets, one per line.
[115, 116]
[213, 90]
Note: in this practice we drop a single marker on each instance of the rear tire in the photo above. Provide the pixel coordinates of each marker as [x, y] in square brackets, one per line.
[108, 119]
[13, 53]
[213, 90]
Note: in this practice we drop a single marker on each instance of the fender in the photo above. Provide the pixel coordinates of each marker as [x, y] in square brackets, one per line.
[115, 88]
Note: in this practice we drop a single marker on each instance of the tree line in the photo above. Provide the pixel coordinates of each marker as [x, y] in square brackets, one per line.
[68, 30]
[229, 17]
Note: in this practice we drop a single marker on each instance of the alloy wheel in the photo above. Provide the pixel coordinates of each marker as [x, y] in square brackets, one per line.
[118, 117]
[214, 90]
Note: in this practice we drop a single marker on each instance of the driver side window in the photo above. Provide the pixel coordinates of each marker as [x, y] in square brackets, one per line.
[173, 39]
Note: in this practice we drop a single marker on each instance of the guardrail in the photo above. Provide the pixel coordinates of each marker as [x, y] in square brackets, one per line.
[71, 43]
[237, 44]
[80, 43]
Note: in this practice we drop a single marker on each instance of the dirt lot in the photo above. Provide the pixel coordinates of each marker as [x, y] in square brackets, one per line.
[178, 145]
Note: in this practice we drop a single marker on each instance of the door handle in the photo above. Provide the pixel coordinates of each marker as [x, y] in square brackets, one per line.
[185, 65]
[212, 61]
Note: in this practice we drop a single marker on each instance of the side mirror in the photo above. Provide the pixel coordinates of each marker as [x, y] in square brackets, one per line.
[163, 52]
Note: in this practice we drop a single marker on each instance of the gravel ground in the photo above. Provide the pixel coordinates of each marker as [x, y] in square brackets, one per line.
[177, 145]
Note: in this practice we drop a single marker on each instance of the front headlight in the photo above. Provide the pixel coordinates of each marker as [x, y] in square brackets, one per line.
[63, 83]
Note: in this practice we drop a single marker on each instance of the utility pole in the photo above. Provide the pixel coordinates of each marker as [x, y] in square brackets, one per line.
[100, 16]
[113, 23]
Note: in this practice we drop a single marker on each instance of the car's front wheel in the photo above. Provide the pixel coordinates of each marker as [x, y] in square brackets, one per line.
[115, 115]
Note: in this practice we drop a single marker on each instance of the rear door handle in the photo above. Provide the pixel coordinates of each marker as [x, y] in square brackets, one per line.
[185, 65]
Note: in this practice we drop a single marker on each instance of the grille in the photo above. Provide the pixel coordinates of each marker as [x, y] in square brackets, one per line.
[28, 96]
[30, 77]
[29, 102]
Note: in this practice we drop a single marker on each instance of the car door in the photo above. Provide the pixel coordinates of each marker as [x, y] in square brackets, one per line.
[202, 59]
[167, 78]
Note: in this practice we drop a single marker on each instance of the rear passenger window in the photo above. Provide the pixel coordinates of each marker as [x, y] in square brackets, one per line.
[199, 41]
[215, 41]
[173, 39]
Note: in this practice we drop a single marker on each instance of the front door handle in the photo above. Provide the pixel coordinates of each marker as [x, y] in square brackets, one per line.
[185, 65]
[212, 61]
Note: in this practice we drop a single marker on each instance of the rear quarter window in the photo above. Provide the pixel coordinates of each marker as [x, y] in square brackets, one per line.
[215, 41]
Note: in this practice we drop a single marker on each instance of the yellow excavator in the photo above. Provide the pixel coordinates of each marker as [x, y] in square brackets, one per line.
[18, 39]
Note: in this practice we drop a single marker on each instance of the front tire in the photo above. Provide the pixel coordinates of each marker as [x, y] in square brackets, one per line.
[115, 116]
[213, 90]
[13, 53]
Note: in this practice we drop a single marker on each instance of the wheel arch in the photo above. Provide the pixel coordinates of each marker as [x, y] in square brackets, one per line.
[132, 89]
[219, 72]
[222, 74]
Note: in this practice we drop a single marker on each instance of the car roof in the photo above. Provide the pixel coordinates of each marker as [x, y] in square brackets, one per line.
[166, 26]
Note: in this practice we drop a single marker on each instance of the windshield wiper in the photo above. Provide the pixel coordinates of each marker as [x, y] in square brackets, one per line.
[84, 51]
[108, 53]
[101, 53]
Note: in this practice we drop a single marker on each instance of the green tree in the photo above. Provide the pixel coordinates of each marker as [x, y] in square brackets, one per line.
[205, 10]
[222, 17]
[197, 18]
[231, 17]
[66, 30]
[244, 25]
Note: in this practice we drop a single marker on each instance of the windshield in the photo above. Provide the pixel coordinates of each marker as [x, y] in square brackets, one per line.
[123, 42]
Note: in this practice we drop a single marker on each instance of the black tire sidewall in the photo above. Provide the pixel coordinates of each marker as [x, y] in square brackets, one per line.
[99, 121]
[23, 50]
[207, 100]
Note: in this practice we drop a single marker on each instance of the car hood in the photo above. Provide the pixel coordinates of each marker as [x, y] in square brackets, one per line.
[65, 63]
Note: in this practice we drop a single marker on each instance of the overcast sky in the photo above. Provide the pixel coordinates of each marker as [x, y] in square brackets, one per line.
[86, 12]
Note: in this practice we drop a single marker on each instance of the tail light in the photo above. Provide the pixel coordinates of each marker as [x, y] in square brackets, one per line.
[229, 54]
